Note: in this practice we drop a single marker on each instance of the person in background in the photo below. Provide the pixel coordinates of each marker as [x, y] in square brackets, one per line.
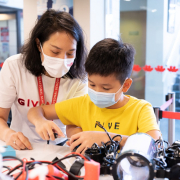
[49, 69]
[109, 66]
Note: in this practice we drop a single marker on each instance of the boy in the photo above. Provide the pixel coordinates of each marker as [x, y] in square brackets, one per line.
[109, 66]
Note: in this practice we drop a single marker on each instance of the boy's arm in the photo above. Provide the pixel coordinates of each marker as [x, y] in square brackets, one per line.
[72, 129]
[155, 134]
[40, 116]
[88, 138]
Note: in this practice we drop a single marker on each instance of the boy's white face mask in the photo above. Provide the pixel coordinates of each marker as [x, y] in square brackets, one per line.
[56, 67]
[102, 99]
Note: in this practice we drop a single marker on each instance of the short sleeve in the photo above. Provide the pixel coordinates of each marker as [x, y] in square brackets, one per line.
[68, 111]
[81, 90]
[7, 86]
[147, 119]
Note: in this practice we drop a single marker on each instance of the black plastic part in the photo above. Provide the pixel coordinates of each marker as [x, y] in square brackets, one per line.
[160, 114]
[171, 161]
[75, 168]
[175, 172]
[162, 173]
[55, 135]
[96, 157]
[104, 169]
[60, 164]
[166, 98]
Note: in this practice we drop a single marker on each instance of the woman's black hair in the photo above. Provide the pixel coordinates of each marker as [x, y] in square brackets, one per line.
[110, 56]
[50, 22]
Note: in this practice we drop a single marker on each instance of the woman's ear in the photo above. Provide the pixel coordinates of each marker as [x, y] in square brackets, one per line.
[127, 85]
[38, 44]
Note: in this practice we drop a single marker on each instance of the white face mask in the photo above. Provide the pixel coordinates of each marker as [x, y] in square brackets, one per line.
[102, 99]
[56, 67]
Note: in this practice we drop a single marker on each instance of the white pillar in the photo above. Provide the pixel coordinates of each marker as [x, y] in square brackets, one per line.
[30, 16]
[91, 17]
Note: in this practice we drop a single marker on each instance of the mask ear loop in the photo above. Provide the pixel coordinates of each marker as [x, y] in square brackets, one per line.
[41, 48]
[120, 89]
[122, 85]
[41, 55]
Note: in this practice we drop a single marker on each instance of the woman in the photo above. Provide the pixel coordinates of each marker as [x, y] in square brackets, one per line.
[49, 69]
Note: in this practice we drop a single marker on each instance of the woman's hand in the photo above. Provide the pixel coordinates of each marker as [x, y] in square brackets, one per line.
[17, 140]
[86, 139]
[47, 128]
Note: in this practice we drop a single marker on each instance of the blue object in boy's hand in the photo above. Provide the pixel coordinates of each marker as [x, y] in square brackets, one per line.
[9, 151]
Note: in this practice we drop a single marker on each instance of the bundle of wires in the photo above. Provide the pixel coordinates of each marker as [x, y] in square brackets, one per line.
[106, 154]
[25, 166]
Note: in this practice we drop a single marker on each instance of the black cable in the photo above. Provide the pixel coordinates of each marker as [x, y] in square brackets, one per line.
[18, 176]
[26, 169]
[7, 167]
[22, 166]
[117, 136]
[13, 157]
[73, 155]
[58, 177]
[32, 164]
[69, 173]
[98, 123]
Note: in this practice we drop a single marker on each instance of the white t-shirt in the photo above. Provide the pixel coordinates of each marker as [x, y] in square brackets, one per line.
[19, 91]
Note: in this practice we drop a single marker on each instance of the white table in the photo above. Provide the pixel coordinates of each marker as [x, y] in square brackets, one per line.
[46, 152]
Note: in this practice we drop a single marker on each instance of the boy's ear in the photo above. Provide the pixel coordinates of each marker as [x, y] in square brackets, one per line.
[127, 85]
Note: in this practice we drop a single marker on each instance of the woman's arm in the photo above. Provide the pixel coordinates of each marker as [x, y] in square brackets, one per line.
[15, 139]
[4, 129]
[42, 117]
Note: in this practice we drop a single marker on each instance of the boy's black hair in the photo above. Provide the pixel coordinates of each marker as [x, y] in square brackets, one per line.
[50, 22]
[110, 56]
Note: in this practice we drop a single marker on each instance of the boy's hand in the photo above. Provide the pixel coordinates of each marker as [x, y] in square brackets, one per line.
[87, 139]
[47, 128]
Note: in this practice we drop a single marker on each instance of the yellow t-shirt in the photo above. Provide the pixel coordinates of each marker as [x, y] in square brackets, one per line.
[135, 116]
